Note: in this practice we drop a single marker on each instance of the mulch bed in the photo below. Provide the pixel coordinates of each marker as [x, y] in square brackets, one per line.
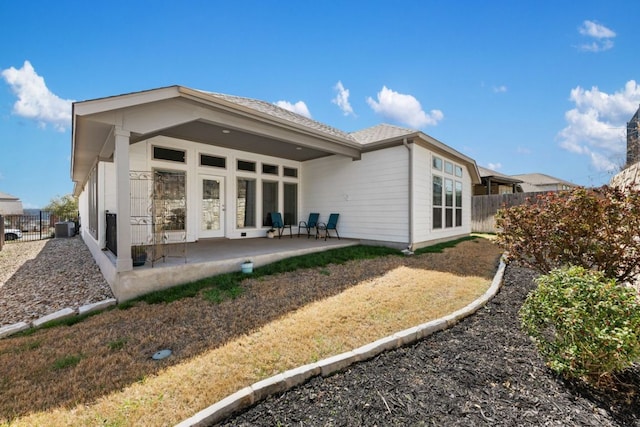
[483, 371]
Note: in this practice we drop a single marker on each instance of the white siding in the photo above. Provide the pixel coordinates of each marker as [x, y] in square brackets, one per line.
[371, 195]
[423, 231]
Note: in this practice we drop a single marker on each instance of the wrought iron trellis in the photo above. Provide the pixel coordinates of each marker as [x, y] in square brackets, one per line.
[158, 213]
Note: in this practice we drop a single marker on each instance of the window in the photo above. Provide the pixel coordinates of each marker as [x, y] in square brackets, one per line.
[269, 200]
[437, 163]
[270, 169]
[292, 172]
[458, 204]
[160, 153]
[290, 203]
[448, 203]
[246, 166]
[93, 202]
[246, 203]
[170, 189]
[213, 161]
[448, 167]
[458, 171]
[437, 201]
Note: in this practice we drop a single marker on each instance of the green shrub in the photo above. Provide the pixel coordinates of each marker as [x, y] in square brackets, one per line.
[594, 228]
[584, 325]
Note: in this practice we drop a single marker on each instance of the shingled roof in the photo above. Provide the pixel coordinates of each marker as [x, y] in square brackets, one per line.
[381, 132]
[282, 113]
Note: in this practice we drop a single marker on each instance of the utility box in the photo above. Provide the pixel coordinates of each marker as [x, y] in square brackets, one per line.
[65, 229]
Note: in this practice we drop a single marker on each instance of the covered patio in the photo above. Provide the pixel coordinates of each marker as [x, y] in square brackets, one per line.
[188, 262]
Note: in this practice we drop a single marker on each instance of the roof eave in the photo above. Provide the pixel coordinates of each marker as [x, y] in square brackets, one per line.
[203, 97]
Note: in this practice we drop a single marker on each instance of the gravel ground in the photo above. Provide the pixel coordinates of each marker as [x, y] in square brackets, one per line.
[483, 371]
[42, 277]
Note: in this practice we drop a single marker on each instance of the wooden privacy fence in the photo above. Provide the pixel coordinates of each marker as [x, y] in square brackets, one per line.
[484, 208]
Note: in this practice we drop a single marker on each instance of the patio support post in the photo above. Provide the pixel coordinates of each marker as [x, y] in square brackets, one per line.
[123, 200]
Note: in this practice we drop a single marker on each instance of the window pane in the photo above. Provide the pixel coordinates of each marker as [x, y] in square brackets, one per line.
[214, 161]
[171, 199]
[269, 200]
[437, 217]
[246, 166]
[160, 153]
[292, 172]
[448, 192]
[290, 203]
[93, 202]
[270, 169]
[210, 208]
[458, 194]
[246, 203]
[437, 163]
[458, 171]
[458, 217]
[448, 167]
[448, 213]
[437, 190]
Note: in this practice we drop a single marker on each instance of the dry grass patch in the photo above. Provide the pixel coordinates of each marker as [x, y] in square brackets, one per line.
[118, 384]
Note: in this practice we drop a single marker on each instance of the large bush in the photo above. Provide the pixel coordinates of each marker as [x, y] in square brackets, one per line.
[594, 228]
[584, 325]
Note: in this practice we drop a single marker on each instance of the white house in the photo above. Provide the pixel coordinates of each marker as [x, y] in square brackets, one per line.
[10, 205]
[216, 165]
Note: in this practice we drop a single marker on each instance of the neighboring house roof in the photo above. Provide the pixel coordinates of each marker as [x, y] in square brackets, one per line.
[8, 197]
[532, 181]
[497, 176]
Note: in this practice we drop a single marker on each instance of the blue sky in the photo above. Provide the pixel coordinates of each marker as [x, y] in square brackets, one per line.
[520, 86]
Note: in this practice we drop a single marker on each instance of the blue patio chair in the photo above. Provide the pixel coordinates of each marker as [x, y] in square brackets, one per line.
[278, 224]
[309, 224]
[332, 224]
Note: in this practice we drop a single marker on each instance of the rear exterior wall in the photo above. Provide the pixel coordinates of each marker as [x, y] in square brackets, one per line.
[371, 194]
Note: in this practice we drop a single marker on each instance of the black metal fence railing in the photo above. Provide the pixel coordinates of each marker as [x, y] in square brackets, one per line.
[1, 232]
[24, 228]
[112, 234]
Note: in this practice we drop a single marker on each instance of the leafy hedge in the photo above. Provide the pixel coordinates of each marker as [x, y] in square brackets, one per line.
[594, 228]
[586, 326]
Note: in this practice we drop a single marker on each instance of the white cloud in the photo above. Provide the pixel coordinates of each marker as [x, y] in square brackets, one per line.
[500, 89]
[596, 126]
[342, 99]
[35, 100]
[299, 107]
[595, 30]
[602, 34]
[494, 166]
[403, 108]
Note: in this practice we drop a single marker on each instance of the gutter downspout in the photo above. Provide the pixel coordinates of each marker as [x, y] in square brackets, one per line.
[410, 170]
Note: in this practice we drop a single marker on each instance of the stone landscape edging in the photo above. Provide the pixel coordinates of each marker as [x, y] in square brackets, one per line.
[65, 313]
[286, 380]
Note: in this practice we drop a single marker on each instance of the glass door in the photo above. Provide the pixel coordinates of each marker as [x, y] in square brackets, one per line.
[211, 221]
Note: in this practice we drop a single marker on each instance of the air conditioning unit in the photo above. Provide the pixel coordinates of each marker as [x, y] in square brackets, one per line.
[65, 229]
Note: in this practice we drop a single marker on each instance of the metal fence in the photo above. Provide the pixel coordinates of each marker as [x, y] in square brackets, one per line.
[37, 225]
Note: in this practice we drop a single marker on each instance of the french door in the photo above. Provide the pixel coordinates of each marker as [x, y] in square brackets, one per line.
[211, 212]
